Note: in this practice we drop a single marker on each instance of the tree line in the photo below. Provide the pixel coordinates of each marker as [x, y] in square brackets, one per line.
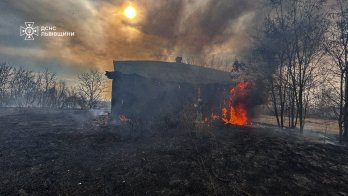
[24, 88]
[302, 48]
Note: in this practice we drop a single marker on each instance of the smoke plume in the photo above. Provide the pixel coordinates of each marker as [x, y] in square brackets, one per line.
[161, 30]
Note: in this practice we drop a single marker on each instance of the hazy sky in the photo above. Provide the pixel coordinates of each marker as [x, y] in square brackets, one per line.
[161, 30]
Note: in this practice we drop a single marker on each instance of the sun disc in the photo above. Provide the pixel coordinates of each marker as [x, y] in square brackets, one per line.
[130, 12]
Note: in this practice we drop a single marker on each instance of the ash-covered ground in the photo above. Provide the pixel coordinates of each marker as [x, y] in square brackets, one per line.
[69, 153]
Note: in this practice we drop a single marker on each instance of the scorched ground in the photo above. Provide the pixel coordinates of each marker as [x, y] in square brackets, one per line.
[71, 153]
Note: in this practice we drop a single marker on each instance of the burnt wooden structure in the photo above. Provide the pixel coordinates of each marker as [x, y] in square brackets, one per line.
[150, 89]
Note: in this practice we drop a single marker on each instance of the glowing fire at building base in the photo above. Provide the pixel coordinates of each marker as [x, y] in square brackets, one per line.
[234, 110]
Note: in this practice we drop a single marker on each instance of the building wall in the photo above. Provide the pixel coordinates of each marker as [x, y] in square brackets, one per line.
[134, 95]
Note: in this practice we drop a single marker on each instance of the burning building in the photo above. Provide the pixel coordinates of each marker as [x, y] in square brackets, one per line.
[151, 89]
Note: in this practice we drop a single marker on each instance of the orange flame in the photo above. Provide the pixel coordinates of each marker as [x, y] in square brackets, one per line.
[123, 118]
[214, 116]
[236, 113]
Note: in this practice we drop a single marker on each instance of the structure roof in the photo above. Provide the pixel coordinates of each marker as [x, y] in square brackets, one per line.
[173, 72]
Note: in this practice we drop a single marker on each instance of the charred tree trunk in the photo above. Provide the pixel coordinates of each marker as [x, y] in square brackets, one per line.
[281, 99]
[300, 108]
[340, 115]
[345, 114]
[274, 100]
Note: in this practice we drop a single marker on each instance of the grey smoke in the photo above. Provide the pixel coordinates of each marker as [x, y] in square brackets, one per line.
[169, 28]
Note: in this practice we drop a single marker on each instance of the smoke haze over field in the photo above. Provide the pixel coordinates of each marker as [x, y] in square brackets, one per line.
[161, 30]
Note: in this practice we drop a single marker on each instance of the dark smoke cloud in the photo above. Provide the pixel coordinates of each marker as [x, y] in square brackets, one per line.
[201, 29]
[162, 30]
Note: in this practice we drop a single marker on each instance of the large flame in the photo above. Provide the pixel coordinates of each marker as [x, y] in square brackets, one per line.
[234, 110]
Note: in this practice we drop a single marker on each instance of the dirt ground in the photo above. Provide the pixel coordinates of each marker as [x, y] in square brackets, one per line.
[311, 124]
[68, 153]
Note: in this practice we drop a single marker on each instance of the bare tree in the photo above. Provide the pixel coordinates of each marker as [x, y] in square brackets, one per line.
[73, 100]
[337, 48]
[292, 45]
[61, 94]
[6, 73]
[91, 87]
[47, 82]
[24, 88]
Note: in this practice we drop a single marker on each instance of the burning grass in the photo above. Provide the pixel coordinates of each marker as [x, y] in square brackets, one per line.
[67, 153]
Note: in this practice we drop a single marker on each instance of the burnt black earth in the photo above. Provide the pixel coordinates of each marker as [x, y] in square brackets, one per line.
[72, 153]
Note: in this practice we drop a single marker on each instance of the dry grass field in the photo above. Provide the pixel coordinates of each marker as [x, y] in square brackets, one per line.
[312, 124]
